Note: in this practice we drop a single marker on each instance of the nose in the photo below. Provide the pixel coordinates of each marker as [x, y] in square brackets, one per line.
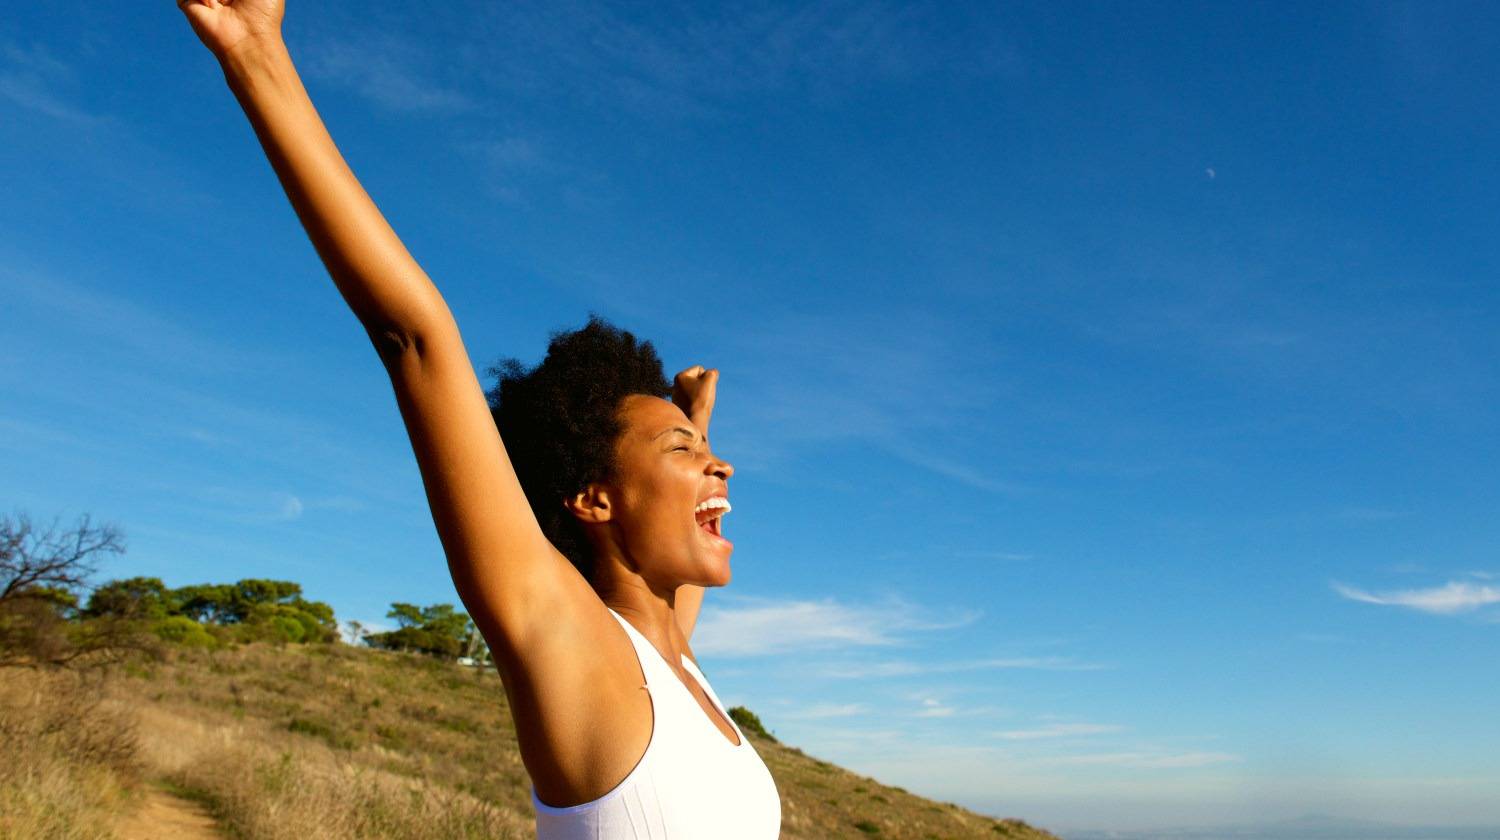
[720, 467]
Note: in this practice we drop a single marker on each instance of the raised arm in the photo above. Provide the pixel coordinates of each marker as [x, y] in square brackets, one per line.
[694, 391]
[507, 573]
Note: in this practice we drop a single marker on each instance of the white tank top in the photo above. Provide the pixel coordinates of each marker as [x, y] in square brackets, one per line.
[690, 784]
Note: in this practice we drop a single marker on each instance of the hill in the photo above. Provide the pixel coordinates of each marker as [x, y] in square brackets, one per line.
[332, 741]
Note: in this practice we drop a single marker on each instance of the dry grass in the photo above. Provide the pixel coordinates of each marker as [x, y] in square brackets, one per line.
[69, 756]
[335, 742]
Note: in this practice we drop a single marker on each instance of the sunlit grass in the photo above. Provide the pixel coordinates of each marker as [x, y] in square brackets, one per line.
[338, 742]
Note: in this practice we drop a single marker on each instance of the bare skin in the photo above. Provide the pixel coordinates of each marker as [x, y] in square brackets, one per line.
[569, 670]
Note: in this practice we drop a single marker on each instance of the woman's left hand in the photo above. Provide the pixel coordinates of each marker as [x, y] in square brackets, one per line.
[693, 391]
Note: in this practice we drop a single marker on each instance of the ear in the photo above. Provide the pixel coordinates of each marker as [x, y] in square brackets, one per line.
[591, 505]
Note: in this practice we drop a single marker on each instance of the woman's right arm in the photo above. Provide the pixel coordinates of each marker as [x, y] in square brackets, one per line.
[508, 574]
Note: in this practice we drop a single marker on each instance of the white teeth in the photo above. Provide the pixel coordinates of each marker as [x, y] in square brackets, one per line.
[711, 503]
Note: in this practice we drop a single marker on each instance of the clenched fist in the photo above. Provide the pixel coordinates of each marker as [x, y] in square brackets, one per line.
[693, 391]
[225, 26]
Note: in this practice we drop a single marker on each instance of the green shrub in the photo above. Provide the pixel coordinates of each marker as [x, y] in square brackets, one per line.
[748, 721]
[867, 827]
[287, 629]
[181, 630]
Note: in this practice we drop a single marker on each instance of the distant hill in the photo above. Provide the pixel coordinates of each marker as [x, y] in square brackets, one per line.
[334, 741]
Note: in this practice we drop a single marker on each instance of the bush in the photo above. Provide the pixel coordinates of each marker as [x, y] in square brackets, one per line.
[287, 629]
[181, 630]
[416, 639]
[749, 722]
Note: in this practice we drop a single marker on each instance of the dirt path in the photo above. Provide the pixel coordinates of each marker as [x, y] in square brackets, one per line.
[166, 817]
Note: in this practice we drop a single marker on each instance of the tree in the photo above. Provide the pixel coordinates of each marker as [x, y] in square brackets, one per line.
[252, 609]
[41, 571]
[207, 603]
[440, 630]
[749, 721]
[137, 597]
[32, 558]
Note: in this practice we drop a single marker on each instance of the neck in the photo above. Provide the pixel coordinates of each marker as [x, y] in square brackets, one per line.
[652, 612]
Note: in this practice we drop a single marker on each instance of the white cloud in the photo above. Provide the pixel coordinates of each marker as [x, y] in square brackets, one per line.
[1058, 730]
[824, 711]
[1454, 597]
[903, 668]
[765, 626]
[934, 708]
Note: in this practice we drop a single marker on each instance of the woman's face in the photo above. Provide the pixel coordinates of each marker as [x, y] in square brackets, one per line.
[667, 497]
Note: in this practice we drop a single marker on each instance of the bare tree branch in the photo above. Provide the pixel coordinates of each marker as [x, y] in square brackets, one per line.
[41, 571]
[55, 557]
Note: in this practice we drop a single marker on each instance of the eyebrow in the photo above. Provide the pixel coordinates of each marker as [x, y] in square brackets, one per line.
[681, 430]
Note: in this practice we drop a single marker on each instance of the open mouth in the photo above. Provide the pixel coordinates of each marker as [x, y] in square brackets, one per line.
[709, 514]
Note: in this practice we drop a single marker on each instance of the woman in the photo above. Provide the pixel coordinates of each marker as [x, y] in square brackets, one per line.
[588, 590]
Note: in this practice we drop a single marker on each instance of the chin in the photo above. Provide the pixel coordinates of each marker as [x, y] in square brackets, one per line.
[720, 576]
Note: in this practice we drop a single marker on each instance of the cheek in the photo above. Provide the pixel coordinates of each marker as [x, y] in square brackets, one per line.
[658, 502]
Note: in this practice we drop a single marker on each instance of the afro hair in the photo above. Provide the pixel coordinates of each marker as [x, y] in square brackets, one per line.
[559, 420]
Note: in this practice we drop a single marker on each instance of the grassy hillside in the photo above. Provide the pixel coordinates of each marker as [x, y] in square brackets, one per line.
[332, 741]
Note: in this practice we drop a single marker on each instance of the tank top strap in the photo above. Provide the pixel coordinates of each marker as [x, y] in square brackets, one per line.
[652, 664]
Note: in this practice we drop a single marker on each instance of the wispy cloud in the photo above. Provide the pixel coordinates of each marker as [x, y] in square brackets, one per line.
[693, 60]
[825, 711]
[1358, 513]
[906, 668]
[31, 78]
[509, 164]
[290, 508]
[246, 505]
[763, 626]
[934, 708]
[1006, 556]
[1449, 599]
[1142, 760]
[124, 321]
[385, 71]
[880, 391]
[1058, 730]
[963, 473]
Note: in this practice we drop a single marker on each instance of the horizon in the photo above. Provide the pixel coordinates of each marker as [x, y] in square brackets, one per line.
[1111, 391]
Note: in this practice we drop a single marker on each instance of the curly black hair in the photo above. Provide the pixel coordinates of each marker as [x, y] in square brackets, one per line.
[559, 424]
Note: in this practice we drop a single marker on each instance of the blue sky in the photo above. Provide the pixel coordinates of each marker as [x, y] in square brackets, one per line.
[1112, 390]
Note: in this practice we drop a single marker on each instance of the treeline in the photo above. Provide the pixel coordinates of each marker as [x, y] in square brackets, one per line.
[439, 630]
[209, 614]
[50, 614]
